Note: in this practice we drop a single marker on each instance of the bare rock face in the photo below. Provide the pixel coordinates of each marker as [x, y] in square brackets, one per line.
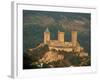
[83, 54]
[51, 56]
[42, 57]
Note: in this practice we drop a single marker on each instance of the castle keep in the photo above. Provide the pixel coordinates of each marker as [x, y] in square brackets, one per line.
[61, 44]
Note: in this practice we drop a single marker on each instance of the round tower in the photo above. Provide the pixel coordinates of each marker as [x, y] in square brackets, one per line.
[46, 36]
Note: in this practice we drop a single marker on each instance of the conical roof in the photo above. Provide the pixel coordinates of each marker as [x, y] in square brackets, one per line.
[47, 30]
[59, 31]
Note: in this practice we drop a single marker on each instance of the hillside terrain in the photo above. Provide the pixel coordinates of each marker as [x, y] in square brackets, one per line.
[42, 57]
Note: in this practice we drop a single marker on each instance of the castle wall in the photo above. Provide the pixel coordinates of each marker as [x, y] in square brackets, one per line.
[61, 49]
[56, 43]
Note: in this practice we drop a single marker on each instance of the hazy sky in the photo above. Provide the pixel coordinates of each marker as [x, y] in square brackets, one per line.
[68, 21]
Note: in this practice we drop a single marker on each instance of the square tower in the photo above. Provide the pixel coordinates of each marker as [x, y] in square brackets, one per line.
[61, 36]
[74, 38]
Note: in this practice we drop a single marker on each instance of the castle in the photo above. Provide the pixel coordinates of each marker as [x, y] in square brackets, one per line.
[61, 44]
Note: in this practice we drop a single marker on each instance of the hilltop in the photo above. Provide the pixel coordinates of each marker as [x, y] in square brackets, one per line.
[42, 57]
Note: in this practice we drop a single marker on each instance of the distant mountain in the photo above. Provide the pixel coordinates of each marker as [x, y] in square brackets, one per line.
[68, 21]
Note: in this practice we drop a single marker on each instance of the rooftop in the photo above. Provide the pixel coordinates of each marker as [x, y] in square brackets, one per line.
[47, 30]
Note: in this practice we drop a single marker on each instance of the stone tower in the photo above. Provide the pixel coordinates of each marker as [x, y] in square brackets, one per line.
[61, 36]
[46, 36]
[74, 38]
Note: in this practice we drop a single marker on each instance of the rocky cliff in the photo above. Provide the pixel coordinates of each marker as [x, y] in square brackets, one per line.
[51, 56]
[42, 57]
